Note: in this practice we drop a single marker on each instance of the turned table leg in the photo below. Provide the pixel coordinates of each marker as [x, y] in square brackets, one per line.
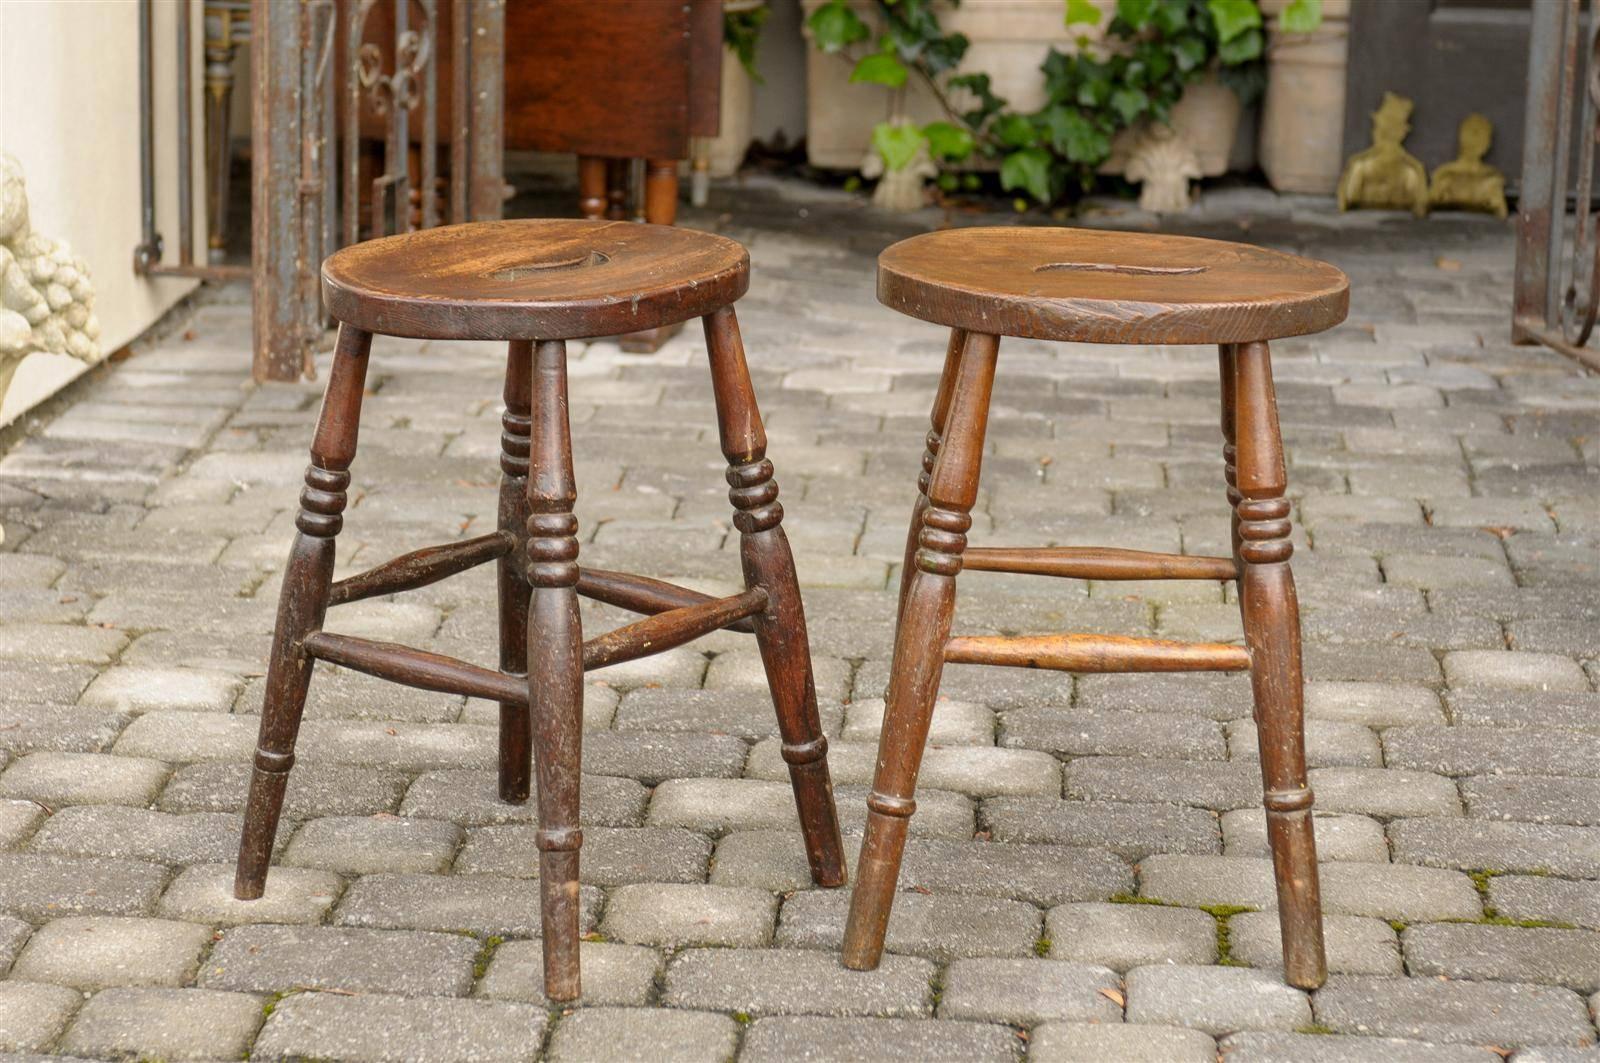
[1272, 631]
[555, 665]
[918, 663]
[511, 579]
[302, 604]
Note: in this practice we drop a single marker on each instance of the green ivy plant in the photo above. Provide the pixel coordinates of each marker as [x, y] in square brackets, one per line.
[1153, 49]
[741, 32]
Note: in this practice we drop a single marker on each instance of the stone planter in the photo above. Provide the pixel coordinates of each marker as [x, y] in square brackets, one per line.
[1302, 120]
[1206, 118]
[726, 150]
[1009, 39]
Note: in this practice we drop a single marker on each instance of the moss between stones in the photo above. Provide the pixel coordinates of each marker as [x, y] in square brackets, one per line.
[480, 965]
[1222, 913]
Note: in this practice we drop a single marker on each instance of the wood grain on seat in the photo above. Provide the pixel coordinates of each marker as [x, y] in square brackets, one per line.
[1090, 286]
[542, 279]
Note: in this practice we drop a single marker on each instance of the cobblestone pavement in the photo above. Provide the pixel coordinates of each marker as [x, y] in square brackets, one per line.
[1087, 877]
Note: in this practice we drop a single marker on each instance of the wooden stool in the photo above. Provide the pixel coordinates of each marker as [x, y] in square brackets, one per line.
[1099, 287]
[538, 284]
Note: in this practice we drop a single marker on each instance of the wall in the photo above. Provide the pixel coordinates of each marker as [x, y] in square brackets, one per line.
[69, 112]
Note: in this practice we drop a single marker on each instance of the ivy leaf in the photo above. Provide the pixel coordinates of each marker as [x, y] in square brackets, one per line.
[1083, 11]
[1136, 13]
[834, 25]
[897, 144]
[1189, 51]
[1015, 131]
[1073, 135]
[1233, 18]
[1242, 49]
[944, 53]
[1172, 16]
[880, 69]
[1301, 16]
[1130, 103]
[948, 141]
[1029, 170]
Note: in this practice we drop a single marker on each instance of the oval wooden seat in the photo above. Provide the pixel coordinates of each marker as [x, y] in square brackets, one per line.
[1091, 286]
[543, 279]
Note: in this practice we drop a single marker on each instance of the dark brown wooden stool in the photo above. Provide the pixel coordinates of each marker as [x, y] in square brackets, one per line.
[538, 284]
[1099, 287]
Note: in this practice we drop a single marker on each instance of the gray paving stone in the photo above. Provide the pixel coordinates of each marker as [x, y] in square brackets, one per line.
[1065, 733]
[60, 643]
[1384, 792]
[385, 1028]
[938, 926]
[1497, 846]
[717, 806]
[779, 1039]
[740, 711]
[741, 669]
[1546, 898]
[797, 982]
[1214, 785]
[472, 798]
[204, 894]
[1533, 798]
[653, 757]
[32, 1014]
[37, 887]
[1505, 954]
[600, 1035]
[613, 974]
[978, 771]
[1430, 570]
[679, 914]
[13, 934]
[1508, 1015]
[1329, 743]
[1385, 891]
[612, 856]
[140, 834]
[314, 791]
[474, 904]
[57, 779]
[1124, 936]
[1354, 944]
[1557, 1054]
[1369, 661]
[89, 952]
[132, 689]
[147, 1023]
[277, 959]
[1476, 750]
[18, 820]
[1334, 1048]
[43, 682]
[1523, 671]
[1076, 1042]
[186, 737]
[1373, 704]
[996, 688]
[1216, 1000]
[1339, 836]
[954, 723]
[1131, 830]
[1025, 992]
[361, 845]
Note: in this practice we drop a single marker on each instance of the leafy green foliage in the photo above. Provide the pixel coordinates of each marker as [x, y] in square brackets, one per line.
[741, 32]
[1155, 48]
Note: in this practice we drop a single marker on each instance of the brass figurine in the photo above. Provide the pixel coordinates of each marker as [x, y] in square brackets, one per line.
[1386, 176]
[1469, 183]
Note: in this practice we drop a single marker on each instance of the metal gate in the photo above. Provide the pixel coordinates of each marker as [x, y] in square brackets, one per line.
[1557, 289]
[317, 74]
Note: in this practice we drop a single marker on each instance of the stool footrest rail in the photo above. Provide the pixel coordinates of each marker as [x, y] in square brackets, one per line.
[422, 567]
[417, 668]
[1096, 653]
[641, 594]
[1096, 562]
[673, 627]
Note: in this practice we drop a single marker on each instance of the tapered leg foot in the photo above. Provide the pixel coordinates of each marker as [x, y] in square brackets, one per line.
[781, 628]
[1271, 616]
[926, 606]
[302, 604]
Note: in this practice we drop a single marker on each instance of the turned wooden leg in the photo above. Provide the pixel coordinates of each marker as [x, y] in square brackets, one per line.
[1227, 356]
[941, 411]
[920, 636]
[617, 189]
[1272, 631]
[555, 665]
[302, 604]
[781, 628]
[661, 191]
[591, 186]
[516, 721]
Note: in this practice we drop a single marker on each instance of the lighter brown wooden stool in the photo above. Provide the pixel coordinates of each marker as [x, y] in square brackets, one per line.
[1099, 287]
[538, 284]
